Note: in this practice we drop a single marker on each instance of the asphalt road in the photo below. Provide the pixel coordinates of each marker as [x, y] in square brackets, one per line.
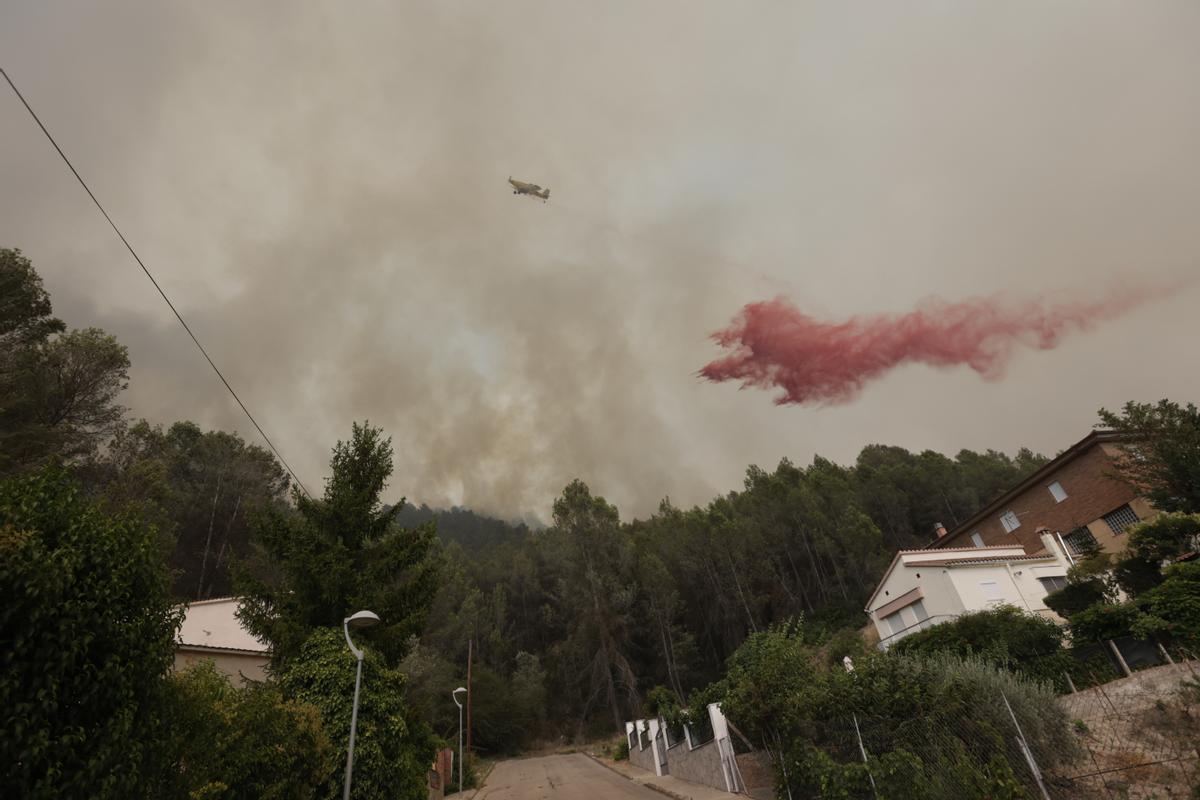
[567, 777]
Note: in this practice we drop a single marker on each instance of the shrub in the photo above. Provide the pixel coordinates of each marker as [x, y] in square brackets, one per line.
[232, 743]
[1075, 597]
[1152, 543]
[934, 725]
[1175, 604]
[392, 749]
[1103, 621]
[88, 629]
[1006, 636]
[621, 751]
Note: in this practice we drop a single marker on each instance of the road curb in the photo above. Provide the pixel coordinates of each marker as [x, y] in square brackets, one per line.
[483, 781]
[652, 786]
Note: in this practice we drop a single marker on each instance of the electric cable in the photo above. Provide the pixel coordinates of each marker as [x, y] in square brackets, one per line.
[141, 264]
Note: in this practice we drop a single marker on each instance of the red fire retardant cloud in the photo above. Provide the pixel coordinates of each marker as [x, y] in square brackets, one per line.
[826, 363]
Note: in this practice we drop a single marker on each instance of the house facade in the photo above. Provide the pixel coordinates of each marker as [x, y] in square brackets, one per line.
[1078, 495]
[211, 631]
[922, 588]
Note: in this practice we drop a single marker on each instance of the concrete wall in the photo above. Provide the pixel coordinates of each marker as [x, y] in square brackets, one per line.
[1017, 583]
[238, 667]
[701, 765]
[639, 756]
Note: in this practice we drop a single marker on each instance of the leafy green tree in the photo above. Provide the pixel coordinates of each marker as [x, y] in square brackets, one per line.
[1152, 544]
[1163, 451]
[337, 555]
[58, 389]
[204, 488]
[88, 627]
[230, 743]
[1172, 608]
[597, 594]
[392, 747]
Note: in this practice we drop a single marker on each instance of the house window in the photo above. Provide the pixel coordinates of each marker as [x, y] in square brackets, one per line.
[977, 539]
[895, 623]
[1121, 518]
[1080, 541]
[1057, 491]
[991, 591]
[1054, 583]
[1010, 522]
[919, 610]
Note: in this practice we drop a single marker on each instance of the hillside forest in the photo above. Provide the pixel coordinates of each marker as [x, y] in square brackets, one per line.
[568, 624]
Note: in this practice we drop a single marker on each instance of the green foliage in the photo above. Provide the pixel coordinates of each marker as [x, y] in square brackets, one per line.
[392, 748]
[1077, 596]
[1163, 451]
[929, 719]
[88, 631]
[201, 487]
[247, 743]
[621, 750]
[1173, 607]
[1103, 621]
[1007, 637]
[338, 555]
[1150, 545]
[844, 642]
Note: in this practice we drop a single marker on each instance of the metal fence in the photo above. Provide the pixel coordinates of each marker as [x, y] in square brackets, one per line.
[1134, 739]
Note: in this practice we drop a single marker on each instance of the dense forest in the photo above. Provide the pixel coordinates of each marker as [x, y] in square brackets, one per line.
[567, 625]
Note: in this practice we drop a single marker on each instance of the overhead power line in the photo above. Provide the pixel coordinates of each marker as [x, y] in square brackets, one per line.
[141, 264]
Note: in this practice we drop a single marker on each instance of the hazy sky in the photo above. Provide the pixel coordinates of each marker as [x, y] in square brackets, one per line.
[321, 188]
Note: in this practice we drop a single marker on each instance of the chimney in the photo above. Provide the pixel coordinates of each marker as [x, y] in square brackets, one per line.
[939, 529]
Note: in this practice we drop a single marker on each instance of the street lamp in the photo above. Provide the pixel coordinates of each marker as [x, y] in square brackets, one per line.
[461, 763]
[360, 619]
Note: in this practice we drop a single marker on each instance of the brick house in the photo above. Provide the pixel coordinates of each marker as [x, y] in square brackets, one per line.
[1077, 495]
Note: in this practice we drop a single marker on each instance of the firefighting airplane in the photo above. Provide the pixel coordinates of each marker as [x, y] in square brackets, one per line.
[521, 187]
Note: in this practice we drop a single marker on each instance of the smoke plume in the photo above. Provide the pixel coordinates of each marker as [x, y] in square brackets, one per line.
[827, 363]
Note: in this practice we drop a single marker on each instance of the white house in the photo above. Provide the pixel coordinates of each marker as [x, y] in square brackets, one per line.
[211, 631]
[922, 588]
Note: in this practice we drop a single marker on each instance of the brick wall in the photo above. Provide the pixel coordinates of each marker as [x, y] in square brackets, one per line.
[1091, 493]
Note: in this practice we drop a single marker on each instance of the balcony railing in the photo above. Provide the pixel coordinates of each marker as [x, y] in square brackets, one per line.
[928, 622]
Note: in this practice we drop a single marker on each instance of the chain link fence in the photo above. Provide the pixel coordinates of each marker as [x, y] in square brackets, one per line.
[1134, 739]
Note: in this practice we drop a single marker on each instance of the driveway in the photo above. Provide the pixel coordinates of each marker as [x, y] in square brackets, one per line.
[565, 777]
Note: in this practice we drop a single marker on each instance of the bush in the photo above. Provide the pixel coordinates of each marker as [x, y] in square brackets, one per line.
[1075, 597]
[1103, 621]
[935, 725]
[1152, 543]
[392, 749]
[621, 751]
[1006, 636]
[89, 633]
[1174, 606]
[247, 743]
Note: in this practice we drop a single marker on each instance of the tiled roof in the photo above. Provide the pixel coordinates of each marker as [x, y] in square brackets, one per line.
[954, 562]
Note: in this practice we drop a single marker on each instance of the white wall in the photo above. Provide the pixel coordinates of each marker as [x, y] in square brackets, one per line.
[940, 597]
[212, 623]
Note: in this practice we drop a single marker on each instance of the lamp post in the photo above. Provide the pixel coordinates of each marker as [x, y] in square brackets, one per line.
[461, 763]
[360, 619]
